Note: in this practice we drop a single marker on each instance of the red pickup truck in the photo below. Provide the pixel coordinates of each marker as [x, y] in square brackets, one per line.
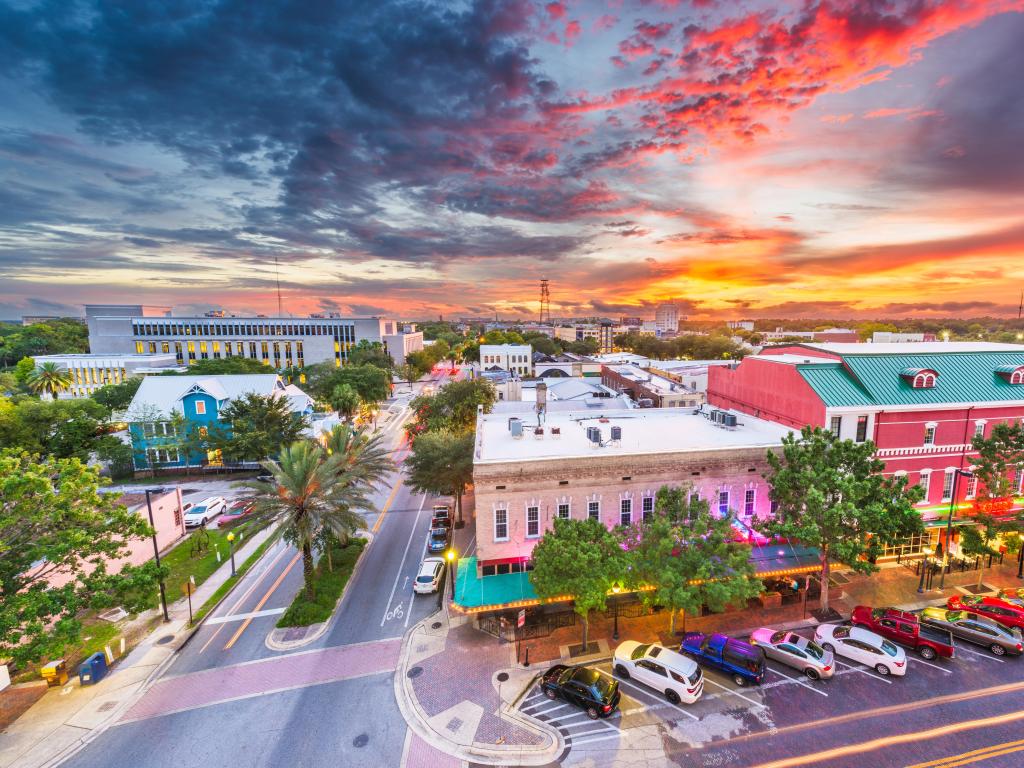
[906, 629]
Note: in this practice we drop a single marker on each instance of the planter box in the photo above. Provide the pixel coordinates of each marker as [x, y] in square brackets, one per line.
[771, 600]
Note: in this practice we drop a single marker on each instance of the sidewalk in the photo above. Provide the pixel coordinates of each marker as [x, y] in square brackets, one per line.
[65, 719]
[447, 678]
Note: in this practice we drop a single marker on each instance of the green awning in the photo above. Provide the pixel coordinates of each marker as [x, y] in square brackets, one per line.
[775, 558]
[473, 592]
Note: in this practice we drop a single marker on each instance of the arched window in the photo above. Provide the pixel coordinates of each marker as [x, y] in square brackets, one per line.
[920, 378]
[1017, 377]
[924, 381]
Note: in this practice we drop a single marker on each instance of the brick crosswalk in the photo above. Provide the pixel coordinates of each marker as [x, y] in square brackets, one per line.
[253, 678]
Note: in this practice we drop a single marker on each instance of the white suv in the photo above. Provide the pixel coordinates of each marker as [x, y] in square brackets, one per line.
[204, 511]
[429, 576]
[671, 674]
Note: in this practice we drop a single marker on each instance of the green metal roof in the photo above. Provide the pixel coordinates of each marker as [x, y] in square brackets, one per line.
[474, 592]
[963, 377]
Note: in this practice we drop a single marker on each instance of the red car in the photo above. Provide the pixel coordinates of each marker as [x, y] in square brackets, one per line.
[1004, 612]
[237, 511]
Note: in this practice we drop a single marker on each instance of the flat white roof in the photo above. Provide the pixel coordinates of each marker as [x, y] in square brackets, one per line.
[917, 347]
[795, 359]
[650, 380]
[122, 357]
[644, 431]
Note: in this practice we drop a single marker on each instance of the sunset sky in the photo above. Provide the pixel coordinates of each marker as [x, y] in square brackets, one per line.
[747, 159]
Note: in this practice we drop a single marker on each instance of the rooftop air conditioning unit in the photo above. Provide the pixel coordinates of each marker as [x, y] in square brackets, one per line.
[729, 420]
[556, 432]
[616, 435]
[594, 436]
[516, 428]
[538, 433]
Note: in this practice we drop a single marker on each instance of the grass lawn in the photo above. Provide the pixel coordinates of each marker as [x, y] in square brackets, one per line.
[181, 563]
[224, 588]
[328, 584]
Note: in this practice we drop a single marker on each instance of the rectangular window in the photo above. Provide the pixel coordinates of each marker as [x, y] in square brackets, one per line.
[929, 435]
[837, 425]
[501, 525]
[563, 511]
[140, 348]
[625, 511]
[748, 501]
[774, 507]
[1018, 481]
[924, 481]
[532, 522]
[191, 351]
[647, 507]
[165, 347]
[947, 485]
[862, 428]
[979, 429]
[972, 486]
[200, 407]
[594, 510]
[723, 503]
[695, 496]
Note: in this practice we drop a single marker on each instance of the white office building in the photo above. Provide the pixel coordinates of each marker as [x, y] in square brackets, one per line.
[514, 358]
[666, 318]
[90, 372]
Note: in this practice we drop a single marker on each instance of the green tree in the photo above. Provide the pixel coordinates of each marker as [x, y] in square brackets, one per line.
[61, 428]
[345, 400]
[441, 463]
[977, 540]
[581, 558]
[868, 329]
[831, 495]
[49, 379]
[61, 540]
[453, 407]
[542, 343]
[117, 397]
[1000, 455]
[363, 463]
[688, 556]
[224, 366]
[370, 353]
[24, 369]
[409, 372]
[372, 383]
[8, 383]
[118, 454]
[255, 427]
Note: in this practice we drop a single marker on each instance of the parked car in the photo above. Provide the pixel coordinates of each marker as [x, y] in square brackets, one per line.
[440, 522]
[976, 629]
[204, 511]
[236, 512]
[437, 540]
[441, 512]
[906, 629]
[795, 651]
[860, 645]
[1003, 611]
[587, 688]
[657, 667]
[741, 661]
[1015, 596]
[428, 578]
[266, 477]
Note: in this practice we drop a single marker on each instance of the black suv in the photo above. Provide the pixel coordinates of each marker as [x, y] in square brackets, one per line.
[586, 688]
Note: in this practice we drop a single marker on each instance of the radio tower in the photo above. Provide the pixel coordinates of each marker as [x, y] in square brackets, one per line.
[545, 301]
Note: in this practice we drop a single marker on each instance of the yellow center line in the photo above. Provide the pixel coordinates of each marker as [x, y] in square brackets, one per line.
[891, 741]
[386, 507]
[986, 756]
[263, 600]
[945, 762]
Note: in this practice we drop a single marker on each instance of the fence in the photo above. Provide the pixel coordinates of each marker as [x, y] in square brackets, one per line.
[503, 626]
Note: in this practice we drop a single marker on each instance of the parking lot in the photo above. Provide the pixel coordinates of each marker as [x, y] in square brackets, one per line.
[729, 723]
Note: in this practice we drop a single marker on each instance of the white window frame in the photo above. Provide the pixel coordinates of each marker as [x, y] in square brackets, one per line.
[625, 511]
[1018, 481]
[1017, 377]
[503, 513]
[924, 481]
[836, 425]
[930, 430]
[948, 481]
[718, 501]
[534, 513]
[979, 428]
[646, 507]
[568, 510]
[750, 502]
[594, 506]
[200, 407]
[972, 487]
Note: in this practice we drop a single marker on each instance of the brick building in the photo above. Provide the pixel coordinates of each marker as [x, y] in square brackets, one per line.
[650, 387]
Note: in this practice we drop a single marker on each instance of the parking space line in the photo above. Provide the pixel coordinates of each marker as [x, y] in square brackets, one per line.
[988, 656]
[557, 705]
[577, 742]
[659, 701]
[730, 690]
[798, 682]
[929, 664]
[608, 731]
[864, 671]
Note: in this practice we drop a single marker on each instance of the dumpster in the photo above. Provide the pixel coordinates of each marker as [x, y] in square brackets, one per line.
[55, 673]
[93, 669]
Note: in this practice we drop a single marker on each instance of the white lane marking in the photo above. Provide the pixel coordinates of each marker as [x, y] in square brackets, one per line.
[734, 693]
[657, 699]
[577, 742]
[929, 664]
[401, 566]
[243, 616]
[864, 671]
[798, 682]
[567, 718]
[988, 656]
[550, 708]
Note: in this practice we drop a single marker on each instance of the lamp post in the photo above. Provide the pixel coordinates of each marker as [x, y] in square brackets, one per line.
[1020, 560]
[616, 588]
[452, 566]
[949, 522]
[231, 549]
[924, 566]
[156, 551]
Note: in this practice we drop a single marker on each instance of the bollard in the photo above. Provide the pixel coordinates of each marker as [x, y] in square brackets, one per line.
[526, 662]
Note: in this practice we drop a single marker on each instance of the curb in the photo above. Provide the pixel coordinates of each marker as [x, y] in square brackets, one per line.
[476, 753]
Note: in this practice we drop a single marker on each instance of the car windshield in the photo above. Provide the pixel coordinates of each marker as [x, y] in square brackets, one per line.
[604, 686]
[777, 638]
[425, 579]
[889, 648]
[814, 650]
[639, 652]
[841, 632]
[196, 511]
[655, 650]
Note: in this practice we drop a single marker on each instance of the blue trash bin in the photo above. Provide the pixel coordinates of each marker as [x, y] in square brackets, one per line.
[93, 669]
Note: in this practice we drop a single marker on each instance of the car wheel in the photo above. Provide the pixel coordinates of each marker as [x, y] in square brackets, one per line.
[997, 649]
[550, 693]
[812, 674]
[882, 670]
[829, 647]
[926, 653]
[203, 522]
[592, 713]
[672, 696]
[740, 680]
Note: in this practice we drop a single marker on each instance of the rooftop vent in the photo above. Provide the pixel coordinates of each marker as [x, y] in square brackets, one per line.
[556, 432]
[538, 433]
[515, 426]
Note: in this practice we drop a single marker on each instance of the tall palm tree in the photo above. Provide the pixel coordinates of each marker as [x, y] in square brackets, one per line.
[49, 379]
[362, 455]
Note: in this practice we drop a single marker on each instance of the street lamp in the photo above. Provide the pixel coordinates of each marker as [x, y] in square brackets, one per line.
[450, 554]
[231, 549]
[616, 588]
[949, 522]
[924, 565]
[156, 551]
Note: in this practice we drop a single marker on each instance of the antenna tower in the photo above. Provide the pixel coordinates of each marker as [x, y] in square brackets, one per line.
[545, 301]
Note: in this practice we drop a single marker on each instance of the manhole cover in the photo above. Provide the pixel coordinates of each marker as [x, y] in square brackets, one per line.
[106, 706]
[165, 640]
[414, 672]
[502, 677]
[436, 625]
[454, 724]
[361, 740]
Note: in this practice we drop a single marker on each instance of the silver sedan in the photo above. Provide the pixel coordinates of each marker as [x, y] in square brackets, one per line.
[795, 651]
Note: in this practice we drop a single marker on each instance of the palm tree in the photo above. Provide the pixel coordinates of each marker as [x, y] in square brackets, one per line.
[362, 456]
[49, 379]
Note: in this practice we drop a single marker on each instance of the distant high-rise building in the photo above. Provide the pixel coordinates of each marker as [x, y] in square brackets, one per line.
[666, 317]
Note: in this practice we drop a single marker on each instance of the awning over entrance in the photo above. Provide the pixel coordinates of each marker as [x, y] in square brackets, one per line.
[784, 559]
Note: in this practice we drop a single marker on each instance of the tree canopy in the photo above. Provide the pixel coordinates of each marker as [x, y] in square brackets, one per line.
[61, 428]
[453, 407]
[441, 463]
[60, 537]
[224, 366]
[687, 346]
[256, 426]
[52, 337]
[370, 353]
[117, 397]
[831, 495]
[1000, 456]
[372, 384]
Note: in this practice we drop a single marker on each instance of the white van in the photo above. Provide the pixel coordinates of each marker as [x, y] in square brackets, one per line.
[673, 675]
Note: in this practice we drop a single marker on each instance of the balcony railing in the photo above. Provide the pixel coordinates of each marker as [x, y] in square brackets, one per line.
[922, 450]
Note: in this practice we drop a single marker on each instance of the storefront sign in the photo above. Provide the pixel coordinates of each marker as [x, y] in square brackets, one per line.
[992, 506]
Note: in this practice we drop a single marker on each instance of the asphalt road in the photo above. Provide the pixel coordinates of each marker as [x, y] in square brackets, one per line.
[347, 722]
